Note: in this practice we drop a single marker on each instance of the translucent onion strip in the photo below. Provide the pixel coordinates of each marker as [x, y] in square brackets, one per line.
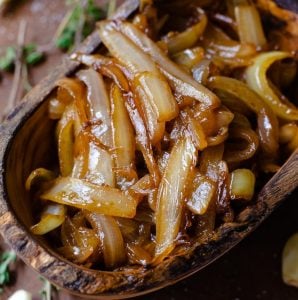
[155, 88]
[256, 78]
[75, 90]
[189, 58]
[98, 104]
[65, 135]
[38, 176]
[203, 191]
[181, 82]
[240, 151]
[142, 138]
[249, 24]
[94, 198]
[242, 185]
[188, 38]
[109, 232]
[107, 66]
[79, 242]
[123, 135]
[171, 196]
[51, 218]
[267, 121]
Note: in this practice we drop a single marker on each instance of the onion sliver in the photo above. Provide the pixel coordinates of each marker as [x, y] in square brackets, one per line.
[52, 217]
[170, 198]
[256, 78]
[181, 82]
[109, 232]
[94, 198]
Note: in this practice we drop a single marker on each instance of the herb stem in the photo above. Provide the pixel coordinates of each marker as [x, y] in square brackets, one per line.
[13, 96]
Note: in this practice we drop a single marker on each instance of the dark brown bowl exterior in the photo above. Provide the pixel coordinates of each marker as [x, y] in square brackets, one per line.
[25, 142]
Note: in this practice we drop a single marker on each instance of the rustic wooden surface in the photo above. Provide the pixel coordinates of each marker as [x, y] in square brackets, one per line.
[250, 271]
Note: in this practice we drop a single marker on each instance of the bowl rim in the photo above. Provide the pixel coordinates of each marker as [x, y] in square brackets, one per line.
[84, 282]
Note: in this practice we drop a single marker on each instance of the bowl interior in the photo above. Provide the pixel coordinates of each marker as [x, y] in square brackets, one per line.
[31, 148]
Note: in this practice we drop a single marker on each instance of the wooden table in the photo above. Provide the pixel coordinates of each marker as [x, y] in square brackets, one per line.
[250, 271]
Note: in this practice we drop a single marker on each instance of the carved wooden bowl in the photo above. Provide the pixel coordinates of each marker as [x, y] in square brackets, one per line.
[25, 142]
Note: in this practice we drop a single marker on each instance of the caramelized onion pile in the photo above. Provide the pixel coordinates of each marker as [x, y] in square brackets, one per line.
[163, 136]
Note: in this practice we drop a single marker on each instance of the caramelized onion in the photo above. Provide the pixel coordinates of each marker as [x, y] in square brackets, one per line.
[171, 195]
[111, 238]
[85, 195]
[257, 79]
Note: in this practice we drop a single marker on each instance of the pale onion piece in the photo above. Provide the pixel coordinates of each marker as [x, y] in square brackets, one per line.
[138, 255]
[75, 90]
[181, 82]
[66, 146]
[189, 57]
[155, 128]
[85, 195]
[203, 191]
[20, 295]
[108, 66]
[219, 44]
[221, 136]
[202, 70]
[195, 130]
[290, 261]
[188, 38]
[56, 109]
[249, 137]
[52, 217]
[123, 132]
[37, 176]
[256, 78]
[142, 138]
[242, 185]
[79, 243]
[287, 132]
[170, 198]
[100, 166]
[209, 161]
[267, 121]
[99, 104]
[157, 91]
[109, 232]
[124, 50]
[143, 187]
[249, 25]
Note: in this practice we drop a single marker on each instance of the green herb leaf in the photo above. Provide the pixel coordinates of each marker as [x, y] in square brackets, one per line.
[91, 13]
[7, 61]
[6, 259]
[34, 58]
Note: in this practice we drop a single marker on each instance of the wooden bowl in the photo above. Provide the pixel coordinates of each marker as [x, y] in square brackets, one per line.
[25, 142]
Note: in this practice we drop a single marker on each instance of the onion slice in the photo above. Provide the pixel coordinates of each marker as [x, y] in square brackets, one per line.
[85, 195]
[267, 121]
[99, 105]
[170, 196]
[123, 135]
[52, 217]
[189, 37]
[242, 185]
[180, 81]
[109, 232]
[154, 88]
[256, 78]
[38, 176]
[249, 24]
[203, 191]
